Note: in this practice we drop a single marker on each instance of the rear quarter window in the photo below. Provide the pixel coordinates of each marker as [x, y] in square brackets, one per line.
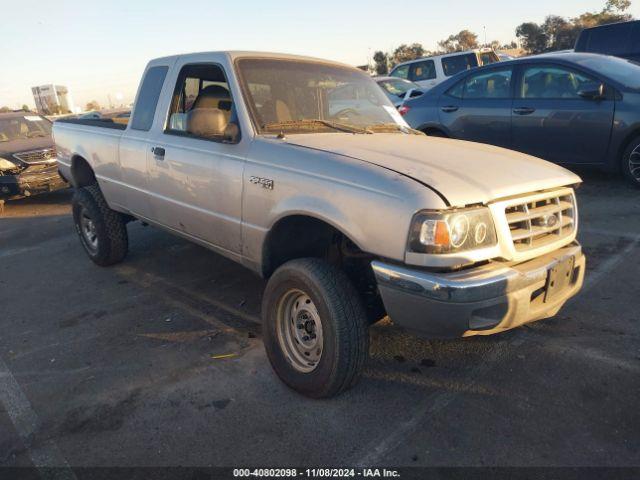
[145, 108]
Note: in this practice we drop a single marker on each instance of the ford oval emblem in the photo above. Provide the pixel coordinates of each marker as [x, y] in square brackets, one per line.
[548, 221]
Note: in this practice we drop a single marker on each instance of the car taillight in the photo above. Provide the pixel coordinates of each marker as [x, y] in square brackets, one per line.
[403, 109]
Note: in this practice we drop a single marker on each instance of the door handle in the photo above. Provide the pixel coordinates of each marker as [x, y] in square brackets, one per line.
[524, 110]
[158, 153]
[450, 108]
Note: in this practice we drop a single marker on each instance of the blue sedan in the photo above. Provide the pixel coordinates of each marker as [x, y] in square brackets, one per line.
[568, 108]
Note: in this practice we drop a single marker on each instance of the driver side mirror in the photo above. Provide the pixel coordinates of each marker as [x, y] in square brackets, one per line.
[231, 133]
[592, 92]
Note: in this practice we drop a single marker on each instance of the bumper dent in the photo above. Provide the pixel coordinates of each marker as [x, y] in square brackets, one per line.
[482, 300]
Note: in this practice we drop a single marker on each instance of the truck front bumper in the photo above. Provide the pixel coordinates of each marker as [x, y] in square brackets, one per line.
[482, 300]
[32, 181]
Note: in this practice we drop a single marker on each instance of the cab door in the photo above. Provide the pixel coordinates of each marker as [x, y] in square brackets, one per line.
[195, 171]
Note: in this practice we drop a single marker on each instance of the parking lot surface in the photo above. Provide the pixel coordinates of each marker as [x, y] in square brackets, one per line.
[159, 362]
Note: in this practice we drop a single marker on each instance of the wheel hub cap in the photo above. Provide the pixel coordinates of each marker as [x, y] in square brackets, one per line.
[299, 330]
[88, 230]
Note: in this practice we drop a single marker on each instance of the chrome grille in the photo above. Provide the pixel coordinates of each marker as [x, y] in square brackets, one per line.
[37, 156]
[542, 221]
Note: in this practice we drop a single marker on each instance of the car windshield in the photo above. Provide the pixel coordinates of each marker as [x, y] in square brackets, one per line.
[297, 96]
[21, 127]
[397, 87]
[626, 72]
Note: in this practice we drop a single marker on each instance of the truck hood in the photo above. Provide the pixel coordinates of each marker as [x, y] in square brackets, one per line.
[463, 173]
[26, 144]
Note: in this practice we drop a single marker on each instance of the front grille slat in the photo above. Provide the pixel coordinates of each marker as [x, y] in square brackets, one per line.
[37, 156]
[541, 221]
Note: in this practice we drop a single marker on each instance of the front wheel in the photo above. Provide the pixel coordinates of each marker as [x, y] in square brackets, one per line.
[631, 162]
[315, 328]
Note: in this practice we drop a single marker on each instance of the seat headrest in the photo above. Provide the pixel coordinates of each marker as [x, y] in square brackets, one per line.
[206, 122]
[211, 97]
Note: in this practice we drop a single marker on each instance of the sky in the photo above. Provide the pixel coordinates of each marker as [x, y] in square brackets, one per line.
[99, 48]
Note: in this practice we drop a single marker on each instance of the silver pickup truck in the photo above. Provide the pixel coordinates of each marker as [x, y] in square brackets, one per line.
[303, 171]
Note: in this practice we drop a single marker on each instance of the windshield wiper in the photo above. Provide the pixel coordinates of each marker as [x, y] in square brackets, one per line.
[386, 127]
[341, 127]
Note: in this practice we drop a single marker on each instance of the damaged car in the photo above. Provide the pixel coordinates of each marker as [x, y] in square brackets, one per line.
[28, 163]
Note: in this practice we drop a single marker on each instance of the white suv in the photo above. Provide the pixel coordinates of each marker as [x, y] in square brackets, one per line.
[430, 71]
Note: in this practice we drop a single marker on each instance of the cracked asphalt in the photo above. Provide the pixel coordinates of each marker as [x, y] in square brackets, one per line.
[159, 362]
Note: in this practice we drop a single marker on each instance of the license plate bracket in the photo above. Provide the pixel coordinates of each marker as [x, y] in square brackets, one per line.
[558, 278]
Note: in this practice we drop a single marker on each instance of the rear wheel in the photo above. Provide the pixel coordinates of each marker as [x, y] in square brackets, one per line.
[315, 328]
[102, 231]
[631, 162]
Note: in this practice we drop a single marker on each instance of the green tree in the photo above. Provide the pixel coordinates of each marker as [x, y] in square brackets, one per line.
[558, 33]
[381, 60]
[404, 53]
[25, 108]
[93, 105]
[463, 40]
[5, 110]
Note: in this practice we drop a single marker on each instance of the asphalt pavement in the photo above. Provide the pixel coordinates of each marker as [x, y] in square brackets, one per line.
[158, 361]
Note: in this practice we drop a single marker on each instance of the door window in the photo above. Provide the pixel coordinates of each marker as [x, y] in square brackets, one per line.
[202, 106]
[492, 84]
[457, 91]
[424, 70]
[459, 63]
[554, 82]
[401, 72]
[147, 101]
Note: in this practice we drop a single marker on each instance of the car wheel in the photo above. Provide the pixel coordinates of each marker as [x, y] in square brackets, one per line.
[631, 162]
[315, 328]
[102, 231]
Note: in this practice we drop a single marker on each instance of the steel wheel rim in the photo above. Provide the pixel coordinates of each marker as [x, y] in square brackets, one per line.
[299, 330]
[634, 164]
[88, 231]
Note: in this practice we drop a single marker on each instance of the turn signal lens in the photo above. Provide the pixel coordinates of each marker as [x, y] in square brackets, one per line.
[403, 110]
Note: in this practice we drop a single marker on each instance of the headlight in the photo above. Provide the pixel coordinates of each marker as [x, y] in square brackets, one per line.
[8, 165]
[452, 231]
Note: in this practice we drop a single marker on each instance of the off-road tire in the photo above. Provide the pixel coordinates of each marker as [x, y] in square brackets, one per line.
[344, 327]
[632, 176]
[109, 226]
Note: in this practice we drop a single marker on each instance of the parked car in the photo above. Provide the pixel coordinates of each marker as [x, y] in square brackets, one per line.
[618, 39]
[92, 115]
[430, 71]
[569, 108]
[349, 215]
[397, 89]
[28, 163]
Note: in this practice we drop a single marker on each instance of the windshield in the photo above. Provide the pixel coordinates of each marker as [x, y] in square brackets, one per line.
[626, 72]
[296, 96]
[397, 87]
[21, 127]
